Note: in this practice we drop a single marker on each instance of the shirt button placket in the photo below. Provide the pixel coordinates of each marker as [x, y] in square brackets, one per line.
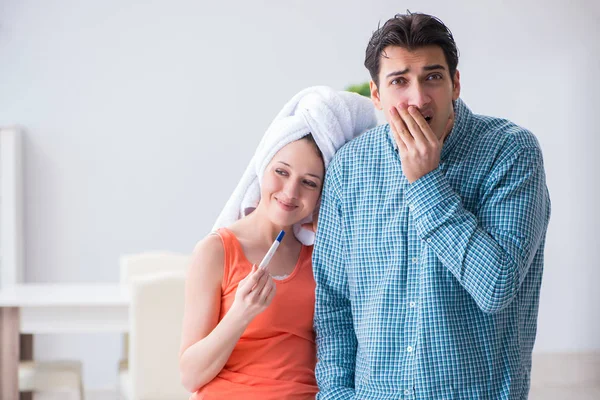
[415, 262]
[409, 393]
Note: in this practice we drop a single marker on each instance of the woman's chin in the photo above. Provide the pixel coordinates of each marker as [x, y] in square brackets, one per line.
[285, 220]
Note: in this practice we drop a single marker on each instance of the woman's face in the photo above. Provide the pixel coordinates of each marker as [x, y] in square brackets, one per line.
[291, 185]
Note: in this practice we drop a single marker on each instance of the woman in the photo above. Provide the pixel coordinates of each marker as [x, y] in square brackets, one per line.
[247, 332]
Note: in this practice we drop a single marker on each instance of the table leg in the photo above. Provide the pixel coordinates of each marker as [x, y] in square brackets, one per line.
[9, 353]
[26, 354]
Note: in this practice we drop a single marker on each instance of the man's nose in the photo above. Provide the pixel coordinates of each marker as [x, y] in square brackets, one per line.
[417, 96]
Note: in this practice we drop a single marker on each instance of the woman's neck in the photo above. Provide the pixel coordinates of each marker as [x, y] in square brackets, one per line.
[263, 230]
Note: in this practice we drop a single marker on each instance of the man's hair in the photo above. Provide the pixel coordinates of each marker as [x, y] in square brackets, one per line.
[410, 31]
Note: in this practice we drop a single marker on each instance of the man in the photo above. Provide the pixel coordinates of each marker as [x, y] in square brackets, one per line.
[429, 250]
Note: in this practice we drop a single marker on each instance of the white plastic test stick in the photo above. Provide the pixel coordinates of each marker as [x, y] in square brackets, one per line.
[265, 261]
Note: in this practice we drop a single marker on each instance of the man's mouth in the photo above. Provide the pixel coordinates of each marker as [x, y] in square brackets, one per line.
[427, 115]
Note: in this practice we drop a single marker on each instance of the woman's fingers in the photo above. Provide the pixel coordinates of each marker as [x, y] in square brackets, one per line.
[249, 282]
[260, 284]
[271, 294]
[257, 287]
[266, 291]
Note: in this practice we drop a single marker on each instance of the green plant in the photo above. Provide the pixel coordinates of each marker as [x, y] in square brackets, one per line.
[361, 88]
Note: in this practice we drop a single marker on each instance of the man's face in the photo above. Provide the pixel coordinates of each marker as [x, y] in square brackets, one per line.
[417, 78]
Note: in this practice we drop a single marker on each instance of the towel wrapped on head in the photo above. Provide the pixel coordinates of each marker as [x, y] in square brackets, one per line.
[332, 117]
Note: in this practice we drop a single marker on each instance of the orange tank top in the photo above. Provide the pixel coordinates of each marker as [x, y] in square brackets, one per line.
[275, 357]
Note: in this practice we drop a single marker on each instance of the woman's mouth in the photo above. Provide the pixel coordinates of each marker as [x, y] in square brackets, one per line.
[285, 205]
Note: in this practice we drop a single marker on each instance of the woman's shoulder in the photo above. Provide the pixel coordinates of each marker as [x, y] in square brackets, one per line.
[209, 255]
[210, 246]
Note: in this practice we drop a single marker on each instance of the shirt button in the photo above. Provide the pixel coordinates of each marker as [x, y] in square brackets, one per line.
[415, 260]
[409, 349]
[407, 392]
[412, 304]
[411, 207]
[428, 240]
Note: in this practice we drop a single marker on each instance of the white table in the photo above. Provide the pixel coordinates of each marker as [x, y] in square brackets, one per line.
[55, 308]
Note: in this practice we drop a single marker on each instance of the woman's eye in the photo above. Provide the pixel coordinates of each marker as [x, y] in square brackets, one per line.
[281, 172]
[310, 184]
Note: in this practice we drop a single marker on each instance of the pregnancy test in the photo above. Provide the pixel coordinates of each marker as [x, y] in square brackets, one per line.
[269, 255]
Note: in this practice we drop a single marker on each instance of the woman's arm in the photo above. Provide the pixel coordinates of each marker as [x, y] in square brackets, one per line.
[206, 343]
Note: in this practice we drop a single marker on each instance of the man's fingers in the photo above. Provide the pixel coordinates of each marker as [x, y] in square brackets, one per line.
[422, 124]
[309, 226]
[412, 125]
[399, 127]
[449, 126]
[402, 147]
[401, 140]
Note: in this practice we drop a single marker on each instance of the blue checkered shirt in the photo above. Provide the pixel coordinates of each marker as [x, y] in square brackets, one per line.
[430, 290]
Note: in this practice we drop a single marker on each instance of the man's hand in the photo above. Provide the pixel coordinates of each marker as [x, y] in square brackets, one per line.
[312, 226]
[420, 149]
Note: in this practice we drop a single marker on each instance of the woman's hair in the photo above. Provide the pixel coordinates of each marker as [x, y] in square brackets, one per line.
[310, 138]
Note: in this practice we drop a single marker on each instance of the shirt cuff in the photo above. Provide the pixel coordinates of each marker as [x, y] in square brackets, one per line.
[427, 192]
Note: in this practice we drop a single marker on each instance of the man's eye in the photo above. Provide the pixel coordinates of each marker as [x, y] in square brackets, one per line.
[434, 77]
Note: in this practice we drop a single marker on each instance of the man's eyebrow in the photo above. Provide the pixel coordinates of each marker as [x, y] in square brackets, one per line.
[433, 67]
[397, 73]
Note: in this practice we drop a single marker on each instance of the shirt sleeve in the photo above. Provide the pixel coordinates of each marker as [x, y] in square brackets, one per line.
[335, 336]
[491, 252]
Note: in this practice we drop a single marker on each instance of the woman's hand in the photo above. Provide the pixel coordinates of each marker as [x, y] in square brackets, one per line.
[254, 294]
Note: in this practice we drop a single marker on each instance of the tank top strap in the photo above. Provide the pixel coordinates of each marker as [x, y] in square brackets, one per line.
[234, 255]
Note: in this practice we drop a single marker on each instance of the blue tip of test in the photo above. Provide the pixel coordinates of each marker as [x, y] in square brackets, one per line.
[280, 236]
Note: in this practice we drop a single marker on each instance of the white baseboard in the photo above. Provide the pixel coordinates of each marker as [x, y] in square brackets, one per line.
[94, 394]
[102, 394]
[577, 371]
[565, 370]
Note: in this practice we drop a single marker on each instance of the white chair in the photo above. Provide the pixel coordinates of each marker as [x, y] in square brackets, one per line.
[156, 314]
[53, 377]
[135, 265]
[157, 283]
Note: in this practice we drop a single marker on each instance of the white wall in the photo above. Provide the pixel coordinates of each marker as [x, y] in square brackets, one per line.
[141, 116]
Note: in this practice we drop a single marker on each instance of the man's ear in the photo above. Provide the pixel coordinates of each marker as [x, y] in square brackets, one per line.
[375, 95]
[456, 86]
